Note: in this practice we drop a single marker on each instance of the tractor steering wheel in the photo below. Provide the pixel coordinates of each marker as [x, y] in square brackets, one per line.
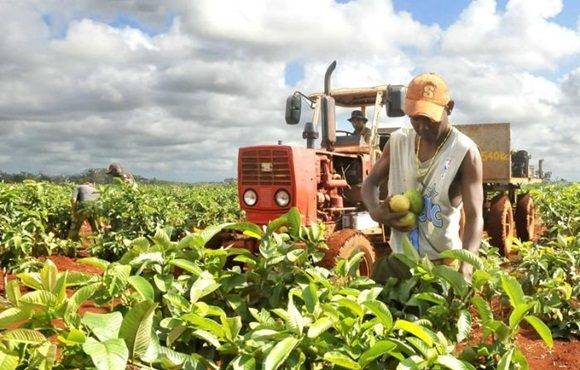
[348, 133]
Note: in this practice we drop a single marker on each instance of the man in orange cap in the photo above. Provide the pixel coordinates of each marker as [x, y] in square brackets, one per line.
[440, 162]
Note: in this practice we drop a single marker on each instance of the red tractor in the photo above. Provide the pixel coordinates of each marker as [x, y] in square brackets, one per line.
[324, 183]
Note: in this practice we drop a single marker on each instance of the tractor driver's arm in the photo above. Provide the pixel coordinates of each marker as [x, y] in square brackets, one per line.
[472, 194]
[370, 193]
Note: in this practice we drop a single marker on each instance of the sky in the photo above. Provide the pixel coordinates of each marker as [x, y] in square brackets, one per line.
[171, 89]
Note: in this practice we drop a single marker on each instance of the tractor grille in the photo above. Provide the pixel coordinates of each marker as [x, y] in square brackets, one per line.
[266, 167]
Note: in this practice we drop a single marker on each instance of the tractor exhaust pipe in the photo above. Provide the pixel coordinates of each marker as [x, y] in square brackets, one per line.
[328, 123]
[327, 75]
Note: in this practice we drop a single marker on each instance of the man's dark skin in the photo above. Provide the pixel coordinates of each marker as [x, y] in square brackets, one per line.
[466, 186]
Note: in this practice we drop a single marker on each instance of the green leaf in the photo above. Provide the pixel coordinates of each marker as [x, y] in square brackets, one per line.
[463, 325]
[108, 355]
[506, 360]
[208, 337]
[453, 363]
[483, 309]
[209, 232]
[204, 324]
[243, 362]
[415, 330]
[39, 300]
[233, 326]
[31, 279]
[48, 275]
[351, 306]
[103, 325]
[463, 255]
[295, 320]
[74, 337]
[310, 297]
[378, 349]
[412, 363]
[381, 311]
[204, 285]
[248, 228]
[279, 353]
[136, 328]
[342, 360]
[76, 300]
[142, 286]
[75, 278]
[96, 262]
[294, 221]
[13, 292]
[11, 316]
[541, 329]
[319, 327]
[24, 336]
[519, 312]
[277, 223]
[8, 361]
[44, 356]
[454, 278]
[513, 289]
[186, 265]
[409, 250]
[431, 297]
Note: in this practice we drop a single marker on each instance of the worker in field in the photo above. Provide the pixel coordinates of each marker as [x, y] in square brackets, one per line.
[83, 208]
[117, 171]
[358, 121]
[443, 165]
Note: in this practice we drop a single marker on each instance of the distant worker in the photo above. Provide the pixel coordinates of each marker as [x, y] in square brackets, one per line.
[116, 170]
[358, 120]
[83, 208]
[441, 163]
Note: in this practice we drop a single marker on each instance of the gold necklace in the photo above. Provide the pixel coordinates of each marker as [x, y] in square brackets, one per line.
[422, 173]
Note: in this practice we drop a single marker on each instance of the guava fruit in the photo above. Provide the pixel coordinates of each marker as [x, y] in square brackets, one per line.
[416, 201]
[410, 219]
[399, 203]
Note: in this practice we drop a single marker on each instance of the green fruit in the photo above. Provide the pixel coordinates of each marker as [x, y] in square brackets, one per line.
[410, 219]
[416, 201]
[399, 203]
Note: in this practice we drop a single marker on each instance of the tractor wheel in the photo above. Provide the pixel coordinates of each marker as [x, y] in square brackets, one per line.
[500, 225]
[526, 218]
[462, 224]
[346, 242]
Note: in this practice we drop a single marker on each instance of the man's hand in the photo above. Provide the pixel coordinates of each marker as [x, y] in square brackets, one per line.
[384, 215]
[466, 270]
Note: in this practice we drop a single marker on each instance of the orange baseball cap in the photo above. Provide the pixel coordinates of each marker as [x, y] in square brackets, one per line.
[427, 95]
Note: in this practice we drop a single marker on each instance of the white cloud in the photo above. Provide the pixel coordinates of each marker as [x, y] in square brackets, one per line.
[523, 36]
[177, 99]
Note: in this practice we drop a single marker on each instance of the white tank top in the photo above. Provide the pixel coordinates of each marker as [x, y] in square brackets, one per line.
[438, 225]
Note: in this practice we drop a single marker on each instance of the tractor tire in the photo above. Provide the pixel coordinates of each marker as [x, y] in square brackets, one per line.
[526, 218]
[346, 242]
[500, 224]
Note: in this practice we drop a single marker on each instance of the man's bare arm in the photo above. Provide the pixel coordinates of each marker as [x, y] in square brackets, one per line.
[370, 187]
[472, 194]
[370, 194]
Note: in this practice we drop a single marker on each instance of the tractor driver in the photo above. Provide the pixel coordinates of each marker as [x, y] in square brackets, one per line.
[358, 121]
[443, 164]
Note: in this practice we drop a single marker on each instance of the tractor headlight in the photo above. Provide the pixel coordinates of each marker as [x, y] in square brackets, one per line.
[250, 197]
[282, 198]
